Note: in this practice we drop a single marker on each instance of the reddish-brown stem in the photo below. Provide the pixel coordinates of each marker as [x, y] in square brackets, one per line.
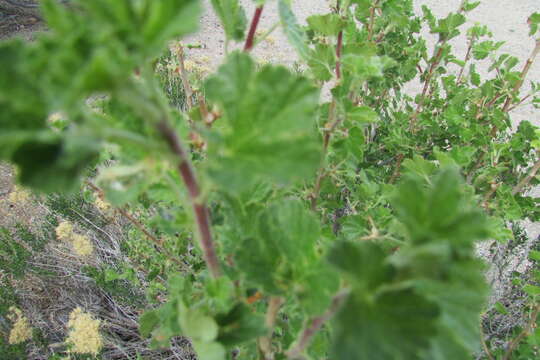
[476, 166]
[427, 82]
[253, 28]
[315, 324]
[520, 102]
[397, 170]
[202, 216]
[523, 75]
[492, 101]
[333, 122]
[527, 179]
[467, 57]
[380, 99]
[371, 20]
[435, 60]
[339, 47]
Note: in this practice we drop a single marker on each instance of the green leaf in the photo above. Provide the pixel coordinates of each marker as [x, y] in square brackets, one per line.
[232, 16]
[362, 115]
[500, 308]
[147, 322]
[461, 294]
[317, 288]
[362, 264]
[534, 255]
[532, 290]
[447, 28]
[166, 19]
[55, 165]
[469, 6]
[440, 211]
[484, 48]
[327, 25]
[362, 8]
[295, 34]
[239, 325]
[196, 325]
[442, 224]
[392, 325]
[534, 22]
[362, 62]
[209, 350]
[269, 129]
[322, 61]
[282, 249]
[69, 63]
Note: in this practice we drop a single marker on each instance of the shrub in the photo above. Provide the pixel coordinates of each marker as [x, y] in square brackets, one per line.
[343, 228]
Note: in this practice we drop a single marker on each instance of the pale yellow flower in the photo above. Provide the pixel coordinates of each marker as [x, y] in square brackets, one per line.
[270, 40]
[64, 231]
[21, 330]
[84, 333]
[82, 245]
[19, 195]
[190, 65]
[102, 205]
[204, 59]
[55, 117]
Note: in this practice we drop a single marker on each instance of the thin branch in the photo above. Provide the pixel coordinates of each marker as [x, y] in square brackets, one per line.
[523, 75]
[526, 330]
[427, 82]
[200, 210]
[339, 48]
[479, 162]
[203, 109]
[315, 324]
[265, 342]
[435, 60]
[397, 170]
[183, 75]
[467, 57]
[141, 228]
[253, 28]
[492, 101]
[527, 179]
[492, 190]
[372, 19]
[520, 102]
[266, 34]
[483, 342]
[333, 122]
[339, 45]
